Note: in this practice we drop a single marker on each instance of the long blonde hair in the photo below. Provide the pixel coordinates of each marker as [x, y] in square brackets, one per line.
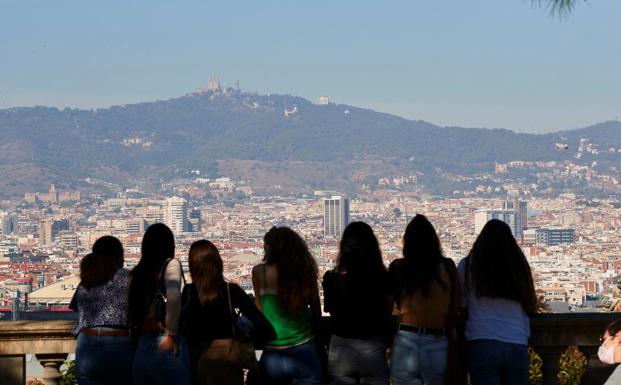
[206, 269]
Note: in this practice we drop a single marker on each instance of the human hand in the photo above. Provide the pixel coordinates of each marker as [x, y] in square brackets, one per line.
[168, 344]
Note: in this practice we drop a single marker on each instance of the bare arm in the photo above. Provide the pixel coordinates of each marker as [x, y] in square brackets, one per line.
[257, 284]
[172, 278]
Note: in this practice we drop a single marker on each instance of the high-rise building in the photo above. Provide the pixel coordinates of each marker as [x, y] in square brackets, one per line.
[195, 221]
[335, 216]
[508, 216]
[8, 224]
[521, 209]
[176, 215]
[45, 232]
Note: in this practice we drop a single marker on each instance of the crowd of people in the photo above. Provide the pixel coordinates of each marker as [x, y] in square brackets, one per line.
[147, 326]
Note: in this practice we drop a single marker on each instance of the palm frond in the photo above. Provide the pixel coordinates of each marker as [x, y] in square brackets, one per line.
[558, 7]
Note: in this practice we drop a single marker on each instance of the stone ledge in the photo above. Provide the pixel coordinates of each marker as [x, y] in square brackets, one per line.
[36, 337]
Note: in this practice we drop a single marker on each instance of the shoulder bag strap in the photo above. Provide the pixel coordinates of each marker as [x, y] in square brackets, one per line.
[454, 288]
[228, 294]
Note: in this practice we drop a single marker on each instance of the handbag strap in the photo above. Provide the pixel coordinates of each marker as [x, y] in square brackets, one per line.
[228, 294]
[451, 320]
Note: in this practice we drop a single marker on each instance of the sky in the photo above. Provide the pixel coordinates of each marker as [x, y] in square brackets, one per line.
[470, 63]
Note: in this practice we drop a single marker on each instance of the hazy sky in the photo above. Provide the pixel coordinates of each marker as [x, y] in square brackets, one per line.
[477, 63]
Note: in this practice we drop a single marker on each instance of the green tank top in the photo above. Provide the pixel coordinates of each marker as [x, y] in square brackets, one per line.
[290, 330]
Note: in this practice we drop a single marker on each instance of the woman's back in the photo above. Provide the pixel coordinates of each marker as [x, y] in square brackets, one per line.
[424, 309]
[359, 307]
[103, 305]
[493, 318]
[291, 329]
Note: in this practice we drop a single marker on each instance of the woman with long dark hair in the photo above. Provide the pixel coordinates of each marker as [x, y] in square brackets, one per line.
[286, 290]
[208, 318]
[358, 295]
[427, 294]
[154, 308]
[104, 350]
[499, 294]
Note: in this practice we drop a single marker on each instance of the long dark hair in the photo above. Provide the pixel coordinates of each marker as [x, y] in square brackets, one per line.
[206, 269]
[100, 266]
[359, 252]
[96, 270]
[297, 269]
[497, 267]
[158, 245]
[111, 247]
[422, 255]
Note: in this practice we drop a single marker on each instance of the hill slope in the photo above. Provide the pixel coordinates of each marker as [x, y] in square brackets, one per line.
[232, 131]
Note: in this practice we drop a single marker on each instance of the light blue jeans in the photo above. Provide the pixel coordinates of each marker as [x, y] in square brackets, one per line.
[152, 367]
[104, 360]
[353, 359]
[418, 359]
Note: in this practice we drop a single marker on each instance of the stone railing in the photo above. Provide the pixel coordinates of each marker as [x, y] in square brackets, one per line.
[51, 341]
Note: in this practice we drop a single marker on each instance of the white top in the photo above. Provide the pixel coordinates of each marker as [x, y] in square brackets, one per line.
[493, 318]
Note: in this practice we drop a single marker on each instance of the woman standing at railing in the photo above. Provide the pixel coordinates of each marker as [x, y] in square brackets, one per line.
[358, 295]
[105, 350]
[286, 290]
[208, 319]
[498, 294]
[428, 293]
[162, 356]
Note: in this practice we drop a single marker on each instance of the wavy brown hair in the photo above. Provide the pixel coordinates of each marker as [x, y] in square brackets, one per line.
[206, 269]
[96, 270]
[297, 269]
[497, 268]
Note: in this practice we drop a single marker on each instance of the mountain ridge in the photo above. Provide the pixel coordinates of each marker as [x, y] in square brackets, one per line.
[201, 131]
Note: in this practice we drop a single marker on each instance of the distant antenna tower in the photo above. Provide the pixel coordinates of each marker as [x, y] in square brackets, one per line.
[237, 84]
[214, 83]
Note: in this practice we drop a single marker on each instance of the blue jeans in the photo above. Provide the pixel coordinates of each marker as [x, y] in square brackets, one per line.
[152, 367]
[296, 365]
[418, 359]
[493, 362]
[104, 360]
[352, 359]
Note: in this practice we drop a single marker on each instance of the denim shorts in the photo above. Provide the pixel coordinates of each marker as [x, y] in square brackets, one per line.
[418, 359]
[352, 359]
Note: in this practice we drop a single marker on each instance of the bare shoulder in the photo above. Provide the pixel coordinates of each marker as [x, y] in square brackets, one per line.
[257, 270]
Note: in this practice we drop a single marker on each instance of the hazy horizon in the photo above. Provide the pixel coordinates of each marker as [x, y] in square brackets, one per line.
[473, 64]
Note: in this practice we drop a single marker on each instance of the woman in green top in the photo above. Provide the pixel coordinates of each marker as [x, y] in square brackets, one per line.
[286, 290]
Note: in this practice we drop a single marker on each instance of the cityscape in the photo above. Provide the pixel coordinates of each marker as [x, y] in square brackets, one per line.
[573, 244]
[183, 186]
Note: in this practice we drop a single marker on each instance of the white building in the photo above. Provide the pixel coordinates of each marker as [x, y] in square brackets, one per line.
[481, 217]
[176, 215]
[335, 216]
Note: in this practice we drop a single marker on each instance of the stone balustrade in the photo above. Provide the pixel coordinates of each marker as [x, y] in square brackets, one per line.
[52, 341]
[49, 341]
